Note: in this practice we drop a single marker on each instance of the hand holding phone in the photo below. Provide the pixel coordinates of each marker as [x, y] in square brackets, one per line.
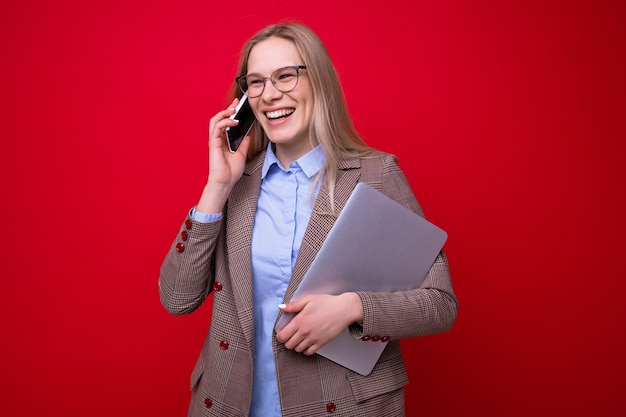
[245, 116]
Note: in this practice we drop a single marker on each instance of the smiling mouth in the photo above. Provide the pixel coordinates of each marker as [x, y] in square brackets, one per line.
[279, 114]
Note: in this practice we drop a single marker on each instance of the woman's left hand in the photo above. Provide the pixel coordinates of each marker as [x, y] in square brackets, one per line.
[319, 319]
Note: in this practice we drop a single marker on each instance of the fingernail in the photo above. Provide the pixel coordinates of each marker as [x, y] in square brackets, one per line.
[281, 306]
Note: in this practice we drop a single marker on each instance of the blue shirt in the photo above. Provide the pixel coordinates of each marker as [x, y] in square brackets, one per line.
[283, 212]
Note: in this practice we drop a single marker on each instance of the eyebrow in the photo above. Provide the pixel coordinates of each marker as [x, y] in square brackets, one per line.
[274, 70]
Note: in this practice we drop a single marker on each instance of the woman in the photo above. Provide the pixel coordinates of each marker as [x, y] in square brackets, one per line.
[255, 231]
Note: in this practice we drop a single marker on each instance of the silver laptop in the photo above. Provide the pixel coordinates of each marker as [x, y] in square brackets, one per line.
[377, 245]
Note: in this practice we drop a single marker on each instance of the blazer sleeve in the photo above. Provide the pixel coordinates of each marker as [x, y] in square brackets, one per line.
[188, 270]
[429, 309]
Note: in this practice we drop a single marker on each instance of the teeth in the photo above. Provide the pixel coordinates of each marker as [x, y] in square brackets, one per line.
[279, 113]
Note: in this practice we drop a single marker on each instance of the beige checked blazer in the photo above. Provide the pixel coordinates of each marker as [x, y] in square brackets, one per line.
[215, 258]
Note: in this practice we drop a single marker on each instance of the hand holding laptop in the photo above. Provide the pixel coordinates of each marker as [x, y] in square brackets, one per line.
[320, 318]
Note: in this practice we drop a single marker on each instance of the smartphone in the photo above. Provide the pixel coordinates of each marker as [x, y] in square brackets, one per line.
[243, 113]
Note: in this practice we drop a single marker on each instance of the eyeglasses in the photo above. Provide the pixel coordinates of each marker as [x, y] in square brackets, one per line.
[284, 80]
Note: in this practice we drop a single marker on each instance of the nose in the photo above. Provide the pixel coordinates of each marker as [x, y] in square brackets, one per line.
[270, 92]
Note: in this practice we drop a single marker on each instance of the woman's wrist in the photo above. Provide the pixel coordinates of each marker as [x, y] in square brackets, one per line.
[353, 300]
[213, 198]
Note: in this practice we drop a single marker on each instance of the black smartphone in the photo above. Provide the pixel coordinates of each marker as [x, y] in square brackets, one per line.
[245, 115]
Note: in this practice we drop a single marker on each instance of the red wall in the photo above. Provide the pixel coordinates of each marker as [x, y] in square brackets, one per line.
[508, 118]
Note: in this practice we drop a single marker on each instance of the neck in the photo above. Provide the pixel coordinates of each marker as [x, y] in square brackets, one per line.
[287, 153]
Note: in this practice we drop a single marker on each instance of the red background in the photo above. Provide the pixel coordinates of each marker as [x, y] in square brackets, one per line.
[507, 117]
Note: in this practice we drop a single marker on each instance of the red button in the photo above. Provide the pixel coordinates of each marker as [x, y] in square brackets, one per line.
[184, 235]
[375, 338]
[180, 248]
[330, 407]
[208, 403]
[188, 224]
[217, 286]
[224, 345]
[385, 339]
[365, 338]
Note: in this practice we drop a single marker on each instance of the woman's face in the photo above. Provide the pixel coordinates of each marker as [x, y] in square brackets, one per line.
[285, 117]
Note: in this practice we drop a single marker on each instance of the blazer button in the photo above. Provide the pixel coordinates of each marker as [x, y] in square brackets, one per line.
[224, 344]
[180, 248]
[385, 339]
[331, 407]
[184, 235]
[208, 403]
[188, 224]
[375, 338]
[217, 286]
[366, 338]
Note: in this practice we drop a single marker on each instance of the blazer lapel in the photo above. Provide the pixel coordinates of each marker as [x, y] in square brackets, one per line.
[240, 213]
[322, 219]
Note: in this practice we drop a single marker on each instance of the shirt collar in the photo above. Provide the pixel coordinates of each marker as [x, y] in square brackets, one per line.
[310, 163]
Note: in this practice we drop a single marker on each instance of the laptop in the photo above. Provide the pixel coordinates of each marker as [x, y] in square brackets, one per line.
[376, 244]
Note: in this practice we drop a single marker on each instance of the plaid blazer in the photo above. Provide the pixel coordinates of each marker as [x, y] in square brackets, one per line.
[215, 258]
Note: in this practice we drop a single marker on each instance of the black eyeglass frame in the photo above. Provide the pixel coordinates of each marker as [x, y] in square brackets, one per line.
[239, 79]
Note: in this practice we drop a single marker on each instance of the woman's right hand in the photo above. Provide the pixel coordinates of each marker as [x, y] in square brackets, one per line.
[225, 167]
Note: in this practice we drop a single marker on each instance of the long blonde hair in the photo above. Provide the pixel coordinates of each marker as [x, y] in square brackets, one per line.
[331, 125]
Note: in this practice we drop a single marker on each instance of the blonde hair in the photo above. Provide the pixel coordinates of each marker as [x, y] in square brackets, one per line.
[331, 125]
